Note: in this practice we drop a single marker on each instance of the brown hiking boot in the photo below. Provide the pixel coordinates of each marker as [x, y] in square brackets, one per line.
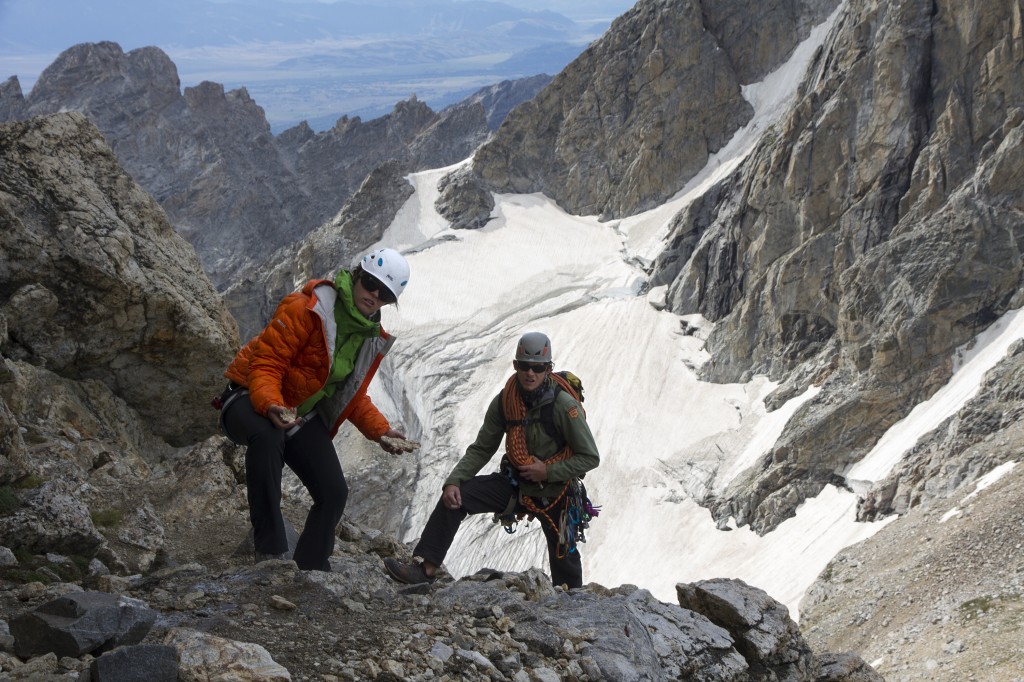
[410, 574]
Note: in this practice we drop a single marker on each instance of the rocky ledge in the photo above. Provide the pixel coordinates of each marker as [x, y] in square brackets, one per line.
[271, 621]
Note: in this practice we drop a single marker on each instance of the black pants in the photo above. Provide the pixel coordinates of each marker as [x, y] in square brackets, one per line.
[311, 455]
[491, 494]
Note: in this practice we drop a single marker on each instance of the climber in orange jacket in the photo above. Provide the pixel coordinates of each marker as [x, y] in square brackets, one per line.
[293, 385]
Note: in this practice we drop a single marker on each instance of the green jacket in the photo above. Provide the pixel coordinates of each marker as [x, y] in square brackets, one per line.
[569, 421]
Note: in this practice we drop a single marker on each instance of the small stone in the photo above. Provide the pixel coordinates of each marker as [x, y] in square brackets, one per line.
[114, 584]
[353, 605]
[280, 603]
[31, 590]
[370, 668]
[441, 651]
[477, 658]
[544, 675]
[41, 665]
[591, 668]
[97, 568]
[394, 668]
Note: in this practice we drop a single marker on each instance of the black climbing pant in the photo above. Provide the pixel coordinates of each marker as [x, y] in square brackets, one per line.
[491, 494]
[311, 455]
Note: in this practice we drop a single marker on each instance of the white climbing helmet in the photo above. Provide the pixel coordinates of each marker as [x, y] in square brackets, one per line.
[389, 266]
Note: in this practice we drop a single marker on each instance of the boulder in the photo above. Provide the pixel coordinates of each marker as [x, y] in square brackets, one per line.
[81, 623]
[150, 662]
[203, 656]
[51, 518]
[763, 632]
[463, 201]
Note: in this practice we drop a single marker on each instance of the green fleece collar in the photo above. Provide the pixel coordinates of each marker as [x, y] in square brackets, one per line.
[346, 314]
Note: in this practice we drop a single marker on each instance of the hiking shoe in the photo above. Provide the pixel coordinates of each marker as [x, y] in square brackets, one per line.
[261, 557]
[410, 574]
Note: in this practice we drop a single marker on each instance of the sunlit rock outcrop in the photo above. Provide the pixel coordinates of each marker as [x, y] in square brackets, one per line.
[95, 285]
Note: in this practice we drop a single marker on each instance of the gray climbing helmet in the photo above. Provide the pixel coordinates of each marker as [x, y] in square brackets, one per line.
[534, 347]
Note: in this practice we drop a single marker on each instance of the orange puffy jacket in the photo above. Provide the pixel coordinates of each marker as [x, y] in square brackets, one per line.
[290, 360]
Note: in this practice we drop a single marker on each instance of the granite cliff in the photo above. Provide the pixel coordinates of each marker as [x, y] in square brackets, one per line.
[865, 239]
[624, 126]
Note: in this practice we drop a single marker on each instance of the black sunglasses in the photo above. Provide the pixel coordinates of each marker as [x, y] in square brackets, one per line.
[535, 367]
[371, 283]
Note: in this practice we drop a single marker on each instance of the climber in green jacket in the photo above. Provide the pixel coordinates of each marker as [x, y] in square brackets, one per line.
[549, 447]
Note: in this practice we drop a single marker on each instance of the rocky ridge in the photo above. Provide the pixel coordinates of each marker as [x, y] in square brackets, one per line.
[270, 621]
[209, 158]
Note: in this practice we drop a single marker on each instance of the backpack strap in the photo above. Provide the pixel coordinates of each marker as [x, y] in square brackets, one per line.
[547, 420]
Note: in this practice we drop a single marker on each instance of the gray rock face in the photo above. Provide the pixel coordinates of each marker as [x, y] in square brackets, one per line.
[498, 100]
[619, 130]
[865, 239]
[625, 125]
[463, 201]
[96, 285]
[85, 476]
[12, 101]
[758, 36]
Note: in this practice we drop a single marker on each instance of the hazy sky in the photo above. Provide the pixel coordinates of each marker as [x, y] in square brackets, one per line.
[302, 59]
[33, 32]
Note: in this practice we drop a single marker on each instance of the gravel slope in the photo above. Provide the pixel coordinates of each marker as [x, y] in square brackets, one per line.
[927, 599]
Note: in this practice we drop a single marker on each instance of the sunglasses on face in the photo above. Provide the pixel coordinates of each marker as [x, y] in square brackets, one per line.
[535, 367]
[371, 283]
